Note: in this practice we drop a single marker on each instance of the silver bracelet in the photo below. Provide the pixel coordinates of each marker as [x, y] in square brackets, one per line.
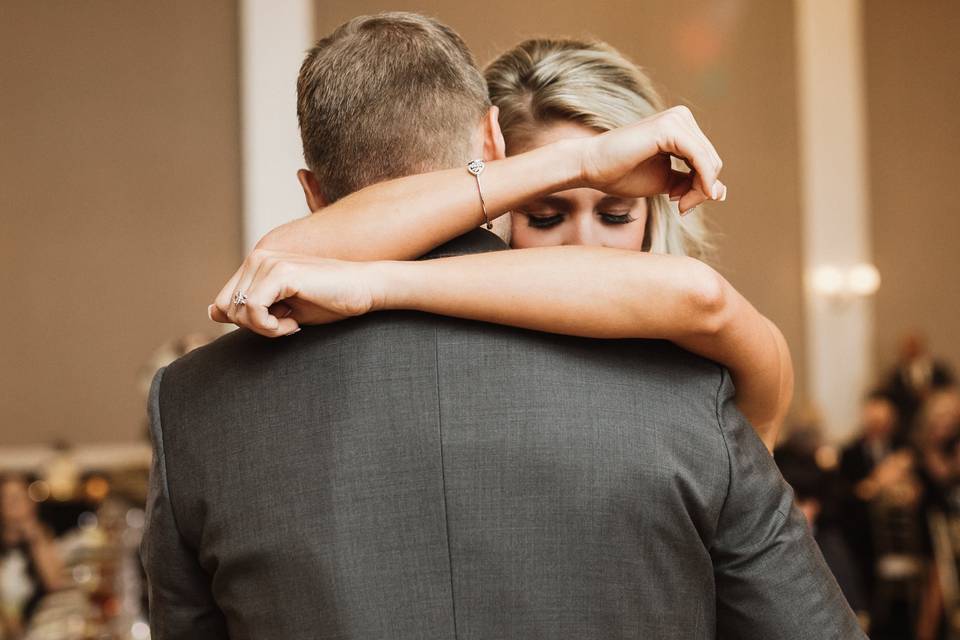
[476, 167]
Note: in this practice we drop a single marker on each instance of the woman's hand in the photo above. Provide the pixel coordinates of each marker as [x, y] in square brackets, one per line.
[281, 291]
[634, 161]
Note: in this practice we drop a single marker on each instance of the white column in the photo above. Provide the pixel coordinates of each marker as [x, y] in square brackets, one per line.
[274, 37]
[835, 216]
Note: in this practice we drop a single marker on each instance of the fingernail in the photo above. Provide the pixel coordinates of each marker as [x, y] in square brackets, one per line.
[723, 196]
[717, 190]
[674, 198]
[297, 330]
[210, 312]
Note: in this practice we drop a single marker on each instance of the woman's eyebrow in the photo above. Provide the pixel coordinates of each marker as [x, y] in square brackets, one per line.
[554, 202]
[617, 200]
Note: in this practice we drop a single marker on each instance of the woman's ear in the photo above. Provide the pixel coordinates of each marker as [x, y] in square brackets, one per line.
[494, 148]
[311, 190]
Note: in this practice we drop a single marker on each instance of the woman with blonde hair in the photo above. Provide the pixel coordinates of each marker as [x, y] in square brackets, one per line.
[577, 151]
[542, 82]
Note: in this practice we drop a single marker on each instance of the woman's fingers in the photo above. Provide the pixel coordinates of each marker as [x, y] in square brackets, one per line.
[694, 127]
[264, 311]
[220, 310]
[280, 309]
[690, 200]
[225, 309]
[679, 183]
[694, 149]
[682, 190]
[682, 137]
[215, 314]
[263, 291]
[252, 266]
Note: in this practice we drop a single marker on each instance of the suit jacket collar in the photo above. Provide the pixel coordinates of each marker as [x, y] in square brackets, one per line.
[476, 241]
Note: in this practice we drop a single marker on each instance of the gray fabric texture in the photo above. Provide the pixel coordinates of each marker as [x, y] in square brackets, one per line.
[403, 475]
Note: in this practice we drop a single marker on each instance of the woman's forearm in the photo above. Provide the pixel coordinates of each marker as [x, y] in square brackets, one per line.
[608, 293]
[404, 218]
[574, 290]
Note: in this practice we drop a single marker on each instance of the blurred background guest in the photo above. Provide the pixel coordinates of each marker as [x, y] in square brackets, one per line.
[30, 564]
[878, 433]
[915, 376]
[859, 461]
[937, 440]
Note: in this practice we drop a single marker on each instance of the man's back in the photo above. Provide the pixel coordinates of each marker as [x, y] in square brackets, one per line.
[408, 476]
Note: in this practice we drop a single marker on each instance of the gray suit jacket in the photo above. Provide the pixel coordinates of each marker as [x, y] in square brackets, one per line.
[403, 475]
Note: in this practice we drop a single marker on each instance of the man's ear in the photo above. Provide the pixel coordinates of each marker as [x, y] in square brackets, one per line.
[311, 190]
[494, 148]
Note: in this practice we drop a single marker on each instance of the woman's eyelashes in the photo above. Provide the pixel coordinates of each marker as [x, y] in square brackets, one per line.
[545, 221]
[616, 218]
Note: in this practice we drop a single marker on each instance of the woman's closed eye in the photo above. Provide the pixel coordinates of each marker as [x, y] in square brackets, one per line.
[544, 221]
[616, 218]
[548, 220]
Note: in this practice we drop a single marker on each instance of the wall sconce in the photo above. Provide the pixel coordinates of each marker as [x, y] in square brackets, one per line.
[845, 283]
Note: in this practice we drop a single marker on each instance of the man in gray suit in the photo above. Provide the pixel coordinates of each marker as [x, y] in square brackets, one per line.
[403, 475]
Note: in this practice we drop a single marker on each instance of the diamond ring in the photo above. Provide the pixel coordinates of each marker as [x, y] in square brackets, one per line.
[239, 298]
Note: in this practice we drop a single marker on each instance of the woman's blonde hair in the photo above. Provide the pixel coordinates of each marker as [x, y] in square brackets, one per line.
[544, 80]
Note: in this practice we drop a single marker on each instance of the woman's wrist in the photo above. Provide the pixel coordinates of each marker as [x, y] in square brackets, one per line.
[391, 284]
[565, 158]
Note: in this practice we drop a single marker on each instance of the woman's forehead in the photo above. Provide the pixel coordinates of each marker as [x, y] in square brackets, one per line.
[583, 197]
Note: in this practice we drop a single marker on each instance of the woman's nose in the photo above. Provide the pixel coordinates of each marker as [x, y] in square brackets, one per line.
[585, 232]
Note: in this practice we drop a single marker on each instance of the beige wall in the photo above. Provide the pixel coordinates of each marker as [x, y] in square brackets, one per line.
[913, 99]
[733, 63]
[120, 208]
[120, 201]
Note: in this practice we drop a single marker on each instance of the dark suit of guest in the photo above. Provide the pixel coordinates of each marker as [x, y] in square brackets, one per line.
[907, 386]
[403, 475]
[861, 457]
[857, 461]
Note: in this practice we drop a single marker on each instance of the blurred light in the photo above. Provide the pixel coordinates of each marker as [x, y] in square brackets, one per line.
[111, 607]
[96, 488]
[140, 631]
[827, 280]
[135, 518]
[857, 281]
[82, 573]
[39, 491]
[863, 279]
[827, 457]
[61, 474]
[87, 520]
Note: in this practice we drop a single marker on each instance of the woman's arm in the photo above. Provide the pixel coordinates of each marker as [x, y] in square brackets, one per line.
[403, 219]
[575, 290]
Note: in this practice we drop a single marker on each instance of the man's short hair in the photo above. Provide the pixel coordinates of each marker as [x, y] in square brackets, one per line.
[385, 96]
